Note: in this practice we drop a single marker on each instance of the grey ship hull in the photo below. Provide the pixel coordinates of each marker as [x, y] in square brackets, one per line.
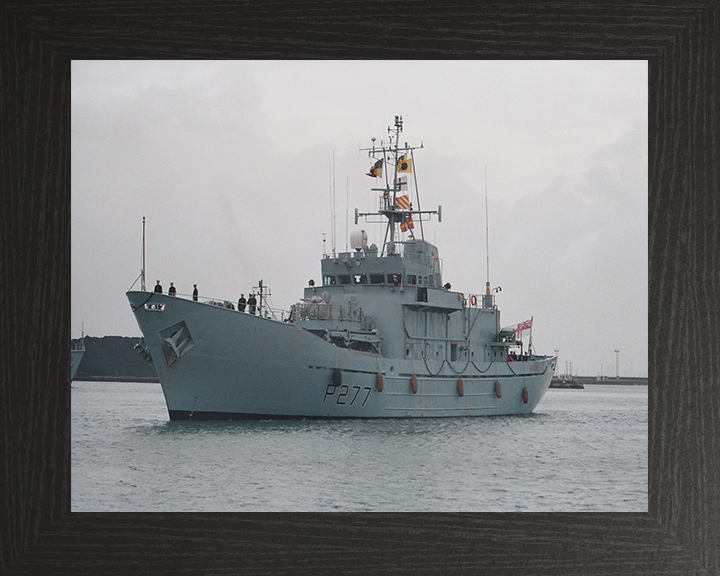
[75, 358]
[216, 363]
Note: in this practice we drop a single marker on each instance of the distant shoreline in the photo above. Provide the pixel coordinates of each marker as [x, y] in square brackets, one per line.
[622, 381]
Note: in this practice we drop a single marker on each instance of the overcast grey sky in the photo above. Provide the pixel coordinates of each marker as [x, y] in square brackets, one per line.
[230, 163]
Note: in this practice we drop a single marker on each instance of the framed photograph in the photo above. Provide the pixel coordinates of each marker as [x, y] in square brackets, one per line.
[673, 530]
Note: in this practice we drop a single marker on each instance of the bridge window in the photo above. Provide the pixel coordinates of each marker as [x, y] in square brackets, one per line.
[411, 279]
[343, 279]
[395, 279]
[329, 280]
[377, 278]
[360, 278]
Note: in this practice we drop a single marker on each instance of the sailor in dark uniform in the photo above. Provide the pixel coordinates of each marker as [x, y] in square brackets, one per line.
[252, 304]
[171, 290]
[195, 292]
[241, 303]
[158, 288]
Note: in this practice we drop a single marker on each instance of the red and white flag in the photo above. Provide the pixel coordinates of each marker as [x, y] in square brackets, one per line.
[527, 325]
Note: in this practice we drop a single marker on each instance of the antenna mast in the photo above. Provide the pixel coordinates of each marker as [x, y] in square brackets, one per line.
[142, 275]
[263, 293]
[333, 203]
[487, 300]
[396, 215]
[487, 236]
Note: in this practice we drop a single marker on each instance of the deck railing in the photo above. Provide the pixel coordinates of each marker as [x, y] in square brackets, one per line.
[267, 311]
[324, 311]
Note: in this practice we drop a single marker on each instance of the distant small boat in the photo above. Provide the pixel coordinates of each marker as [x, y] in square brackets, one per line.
[566, 382]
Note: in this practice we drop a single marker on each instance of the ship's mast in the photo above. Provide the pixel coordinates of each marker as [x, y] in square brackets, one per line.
[396, 184]
[488, 297]
[263, 293]
[142, 281]
[389, 207]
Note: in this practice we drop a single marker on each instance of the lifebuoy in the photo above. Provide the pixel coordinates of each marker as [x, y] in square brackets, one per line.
[473, 300]
[525, 395]
[498, 389]
[413, 383]
[461, 388]
[379, 381]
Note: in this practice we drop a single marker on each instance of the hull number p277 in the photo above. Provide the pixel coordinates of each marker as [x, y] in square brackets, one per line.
[345, 396]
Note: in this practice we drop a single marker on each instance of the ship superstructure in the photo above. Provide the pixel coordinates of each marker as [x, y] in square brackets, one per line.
[381, 336]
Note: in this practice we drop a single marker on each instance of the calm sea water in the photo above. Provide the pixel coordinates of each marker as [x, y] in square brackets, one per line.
[582, 450]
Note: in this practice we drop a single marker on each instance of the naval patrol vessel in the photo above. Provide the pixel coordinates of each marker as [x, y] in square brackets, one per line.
[381, 337]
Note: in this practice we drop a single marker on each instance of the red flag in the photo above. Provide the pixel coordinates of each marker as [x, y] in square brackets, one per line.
[403, 203]
[408, 223]
[527, 325]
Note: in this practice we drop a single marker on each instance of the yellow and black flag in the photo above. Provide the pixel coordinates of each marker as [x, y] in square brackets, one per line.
[404, 164]
[376, 170]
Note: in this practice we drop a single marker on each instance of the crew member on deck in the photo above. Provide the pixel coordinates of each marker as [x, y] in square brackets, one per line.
[171, 290]
[195, 292]
[241, 303]
[158, 288]
[252, 304]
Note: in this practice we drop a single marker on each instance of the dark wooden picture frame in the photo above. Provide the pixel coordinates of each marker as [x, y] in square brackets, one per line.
[681, 532]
